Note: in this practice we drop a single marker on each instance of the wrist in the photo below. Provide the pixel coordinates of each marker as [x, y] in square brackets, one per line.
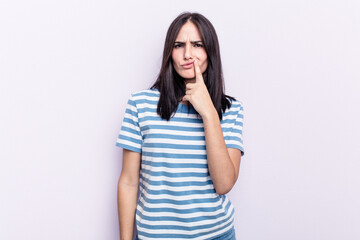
[210, 115]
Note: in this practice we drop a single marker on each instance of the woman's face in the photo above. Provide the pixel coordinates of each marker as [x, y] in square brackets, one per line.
[189, 47]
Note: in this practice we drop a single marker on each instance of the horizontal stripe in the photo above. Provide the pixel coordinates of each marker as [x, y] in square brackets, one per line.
[178, 190]
[129, 147]
[181, 178]
[192, 202]
[125, 130]
[180, 234]
[175, 170]
[128, 139]
[162, 141]
[146, 93]
[185, 153]
[173, 119]
[173, 146]
[175, 137]
[182, 197]
[130, 136]
[193, 213]
[175, 174]
[169, 155]
[175, 183]
[171, 127]
[175, 160]
[183, 226]
[174, 165]
[194, 221]
[177, 198]
[172, 208]
[148, 131]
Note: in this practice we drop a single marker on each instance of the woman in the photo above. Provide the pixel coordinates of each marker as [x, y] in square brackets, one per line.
[182, 142]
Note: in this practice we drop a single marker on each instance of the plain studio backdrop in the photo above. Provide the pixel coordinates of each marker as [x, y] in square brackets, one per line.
[67, 69]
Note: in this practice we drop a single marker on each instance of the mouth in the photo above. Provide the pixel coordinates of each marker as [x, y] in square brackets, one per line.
[188, 65]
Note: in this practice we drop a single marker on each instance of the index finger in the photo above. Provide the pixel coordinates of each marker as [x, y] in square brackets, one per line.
[198, 73]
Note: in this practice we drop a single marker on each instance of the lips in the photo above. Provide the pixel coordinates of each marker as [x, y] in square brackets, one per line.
[188, 65]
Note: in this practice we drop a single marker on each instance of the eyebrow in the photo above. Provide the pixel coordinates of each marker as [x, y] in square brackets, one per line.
[193, 42]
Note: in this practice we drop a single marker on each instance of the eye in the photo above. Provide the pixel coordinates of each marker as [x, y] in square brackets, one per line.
[198, 45]
[178, 45]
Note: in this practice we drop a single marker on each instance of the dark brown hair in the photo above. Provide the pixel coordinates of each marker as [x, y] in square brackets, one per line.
[172, 86]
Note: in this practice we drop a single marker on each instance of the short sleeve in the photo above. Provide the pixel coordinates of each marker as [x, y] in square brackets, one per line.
[235, 137]
[130, 135]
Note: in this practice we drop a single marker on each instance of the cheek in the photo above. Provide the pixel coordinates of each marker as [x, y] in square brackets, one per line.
[175, 62]
[203, 57]
[204, 66]
[205, 63]
[175, 57]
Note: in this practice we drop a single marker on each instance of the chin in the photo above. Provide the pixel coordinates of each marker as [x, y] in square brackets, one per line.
[187, 76]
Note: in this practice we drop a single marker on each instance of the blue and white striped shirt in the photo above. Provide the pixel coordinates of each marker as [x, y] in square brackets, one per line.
[177, 199]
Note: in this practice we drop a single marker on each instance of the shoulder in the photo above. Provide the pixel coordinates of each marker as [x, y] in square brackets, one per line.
[145, 94]
[144, 100]
[236, 105]
[235, 111]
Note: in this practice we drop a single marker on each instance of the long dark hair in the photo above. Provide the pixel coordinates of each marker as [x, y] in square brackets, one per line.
[172, 86]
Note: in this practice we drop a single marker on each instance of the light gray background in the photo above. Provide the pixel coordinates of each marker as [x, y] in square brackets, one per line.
[68, 67]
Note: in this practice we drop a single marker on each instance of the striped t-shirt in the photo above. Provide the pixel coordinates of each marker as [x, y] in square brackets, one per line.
[177, 199]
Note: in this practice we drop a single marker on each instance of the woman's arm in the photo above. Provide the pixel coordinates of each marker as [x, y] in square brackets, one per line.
[223, 163]
[128, 186]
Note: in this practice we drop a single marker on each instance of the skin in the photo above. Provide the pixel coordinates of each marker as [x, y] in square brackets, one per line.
[128, 187]
[188, 47]
[223, 162]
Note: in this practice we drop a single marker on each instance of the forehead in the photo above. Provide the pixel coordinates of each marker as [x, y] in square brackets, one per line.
[188, 31]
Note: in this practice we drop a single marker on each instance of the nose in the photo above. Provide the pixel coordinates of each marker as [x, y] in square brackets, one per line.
[187, 53]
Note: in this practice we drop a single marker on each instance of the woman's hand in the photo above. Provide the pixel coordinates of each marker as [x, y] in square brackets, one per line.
[223, 164]
[198, 95]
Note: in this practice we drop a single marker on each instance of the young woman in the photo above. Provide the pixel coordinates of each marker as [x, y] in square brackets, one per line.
[182, 142]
